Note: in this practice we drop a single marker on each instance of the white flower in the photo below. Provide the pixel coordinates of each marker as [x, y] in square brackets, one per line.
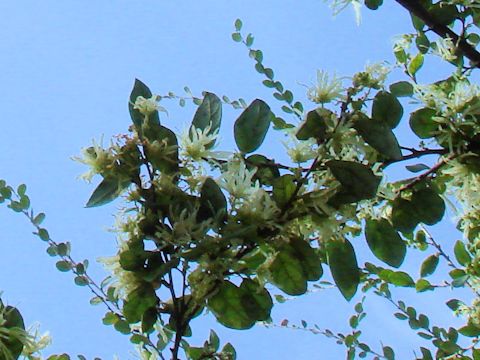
[300, 150]
[378, 72]
[148, 106]
[326, 89]
[237, 180]
[39, 341]
[97, 158]
[456, 101]
[402, 42]
[194, 142]
[445, 48]
[339, 5]
[259, 206]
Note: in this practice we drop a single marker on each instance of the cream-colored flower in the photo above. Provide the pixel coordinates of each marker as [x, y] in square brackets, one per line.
[147, 106]
[327, 89]
[299, 150]
[339, 5]
[194, 142]
[445, 48]
[259, 207]
[237, 180]
[97, 158]
[402, 42]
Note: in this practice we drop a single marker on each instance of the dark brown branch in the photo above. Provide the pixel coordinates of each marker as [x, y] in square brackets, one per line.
[415, 8]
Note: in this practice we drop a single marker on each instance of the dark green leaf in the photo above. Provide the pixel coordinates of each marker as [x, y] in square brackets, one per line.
[401, 88]
[417, 168]
[387, 109]
[422, 123]
[229, 352]
[429, 265]
[314, 125]
[138, 301]
[385, 242]
[344, 267]
[283, 189]
[12, 319]
[163, 152]
[378, 135]
[236, 307]
[63, 265]
[252, 125]
[428, 205]
[469, 330]
[358, 181]
[212, 202]
[108, 190]
[404, 217]
[287, 273]
[310, 261]
[267, 170]
[373, 4]
[461, 254]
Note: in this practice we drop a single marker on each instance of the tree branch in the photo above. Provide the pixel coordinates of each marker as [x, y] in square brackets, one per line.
[415, 8]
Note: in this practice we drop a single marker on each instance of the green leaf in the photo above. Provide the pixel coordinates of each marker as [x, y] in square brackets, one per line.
[469, 330]
[404, 217]
[140, 89]
[385, 242]
[12, 319]
[238, 25]
[252, 125]
[283, 189]
[378, 135]
[63, 265]
[212, 202]
[163, 152]
[397, 278]
[37, 220]
[310, 261]
[373, 4]
[401, 88]
[417, 168]
[422, 123]
[267, 170]
[108, 190]
[239, 308]
[429, 265]
[388, 353]
[344, 267]
[387, 109]
[314, 125]
[415, 64]
[229, 352]
[428, 205]
[461, 254]
[286, 273]
[423, 285]
[213, 340]
[138, 301]
[358, 181]
[209, 113]
[81, 280]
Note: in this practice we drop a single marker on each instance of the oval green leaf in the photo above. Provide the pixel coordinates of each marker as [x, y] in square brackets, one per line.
[344, 267]
[252, 125]
[385, 242]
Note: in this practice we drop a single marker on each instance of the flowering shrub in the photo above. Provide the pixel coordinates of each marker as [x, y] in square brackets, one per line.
[205, 229]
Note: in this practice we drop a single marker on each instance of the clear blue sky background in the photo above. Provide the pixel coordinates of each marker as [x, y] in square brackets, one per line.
[67, 68]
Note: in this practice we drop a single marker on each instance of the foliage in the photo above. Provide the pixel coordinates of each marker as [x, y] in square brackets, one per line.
[220, 231]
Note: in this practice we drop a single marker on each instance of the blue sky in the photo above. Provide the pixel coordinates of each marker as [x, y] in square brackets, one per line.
[67, 68]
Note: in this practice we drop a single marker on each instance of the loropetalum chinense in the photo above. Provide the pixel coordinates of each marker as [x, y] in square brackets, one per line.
[228, 231]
